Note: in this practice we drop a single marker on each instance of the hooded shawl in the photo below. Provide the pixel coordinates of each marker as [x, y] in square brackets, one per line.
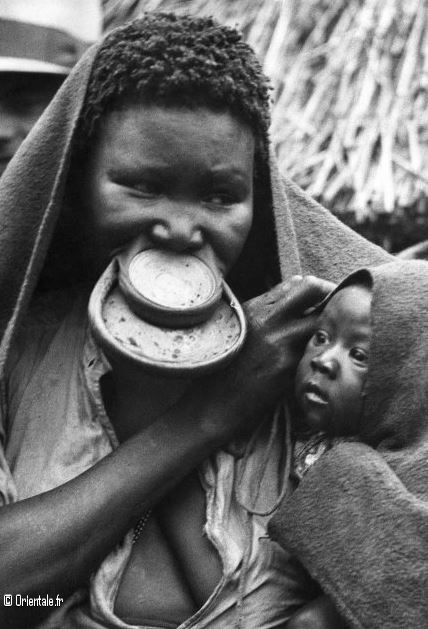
[359, 519]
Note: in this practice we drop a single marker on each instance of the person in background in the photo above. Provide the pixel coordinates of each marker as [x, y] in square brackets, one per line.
[40, 41]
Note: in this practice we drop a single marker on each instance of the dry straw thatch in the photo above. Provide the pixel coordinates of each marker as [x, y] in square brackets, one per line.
[350, 120]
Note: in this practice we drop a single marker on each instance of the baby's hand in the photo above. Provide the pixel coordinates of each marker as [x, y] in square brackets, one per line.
[318, 614]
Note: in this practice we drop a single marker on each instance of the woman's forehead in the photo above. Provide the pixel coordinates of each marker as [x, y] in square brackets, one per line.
[166, 134]
[175, 116]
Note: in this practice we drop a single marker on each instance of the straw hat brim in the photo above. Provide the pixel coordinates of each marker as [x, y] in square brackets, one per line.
[20, 64]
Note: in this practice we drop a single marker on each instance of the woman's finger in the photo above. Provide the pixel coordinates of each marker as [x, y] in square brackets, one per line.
[309, 292]
[298, 294]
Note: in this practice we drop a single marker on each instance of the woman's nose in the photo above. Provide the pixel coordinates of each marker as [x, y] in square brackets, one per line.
[177, 232]
[326, 363]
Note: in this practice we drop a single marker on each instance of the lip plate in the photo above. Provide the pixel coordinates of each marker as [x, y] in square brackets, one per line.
[144, 302]
[195, 364]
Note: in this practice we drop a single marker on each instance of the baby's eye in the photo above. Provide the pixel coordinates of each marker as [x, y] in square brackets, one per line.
[360, 355]
[320, 338]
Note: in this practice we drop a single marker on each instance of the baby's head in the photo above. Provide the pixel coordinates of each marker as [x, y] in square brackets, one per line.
[331, 374]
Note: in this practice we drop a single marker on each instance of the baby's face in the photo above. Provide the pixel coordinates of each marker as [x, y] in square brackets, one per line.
[332, 371]
[176, 179]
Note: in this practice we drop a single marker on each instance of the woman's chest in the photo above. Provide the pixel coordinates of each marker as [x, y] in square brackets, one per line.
[173, 567]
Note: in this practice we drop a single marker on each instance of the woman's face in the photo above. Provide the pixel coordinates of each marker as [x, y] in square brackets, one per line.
[176, 179]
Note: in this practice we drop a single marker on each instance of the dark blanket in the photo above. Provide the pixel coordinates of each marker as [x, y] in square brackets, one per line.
[359, 519]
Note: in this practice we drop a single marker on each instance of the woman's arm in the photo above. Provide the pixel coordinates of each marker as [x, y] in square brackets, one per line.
[51, 543]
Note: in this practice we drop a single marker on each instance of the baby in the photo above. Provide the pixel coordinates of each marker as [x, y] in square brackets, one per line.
[329, 399]
[330, 376]
[358, 521]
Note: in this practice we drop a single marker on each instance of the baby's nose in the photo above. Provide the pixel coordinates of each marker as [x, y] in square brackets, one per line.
[325, 363]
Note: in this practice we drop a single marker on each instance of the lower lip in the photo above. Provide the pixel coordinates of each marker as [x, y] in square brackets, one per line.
[314, 398]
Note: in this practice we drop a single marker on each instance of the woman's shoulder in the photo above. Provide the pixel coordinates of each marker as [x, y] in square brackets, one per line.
[49, 309]
[49, 315]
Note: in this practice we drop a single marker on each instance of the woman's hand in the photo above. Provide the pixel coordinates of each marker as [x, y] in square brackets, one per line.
[318, 614]
[277, 333]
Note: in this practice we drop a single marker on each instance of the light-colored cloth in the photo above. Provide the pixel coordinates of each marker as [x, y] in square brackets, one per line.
[58, 428]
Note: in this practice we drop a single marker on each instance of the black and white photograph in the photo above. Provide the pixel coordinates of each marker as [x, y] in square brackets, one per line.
[213, 314]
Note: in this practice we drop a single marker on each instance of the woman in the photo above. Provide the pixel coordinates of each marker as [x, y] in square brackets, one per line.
[159, 134]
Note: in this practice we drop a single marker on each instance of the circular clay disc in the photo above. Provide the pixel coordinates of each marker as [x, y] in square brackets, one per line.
[172, 281]
[185, 349]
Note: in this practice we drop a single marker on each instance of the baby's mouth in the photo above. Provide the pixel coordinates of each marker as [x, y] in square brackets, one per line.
[314, 395]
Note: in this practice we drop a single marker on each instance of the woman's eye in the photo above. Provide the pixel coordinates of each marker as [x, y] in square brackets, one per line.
[320, 338]
[360, 355]
[220, 198]
[146, 188]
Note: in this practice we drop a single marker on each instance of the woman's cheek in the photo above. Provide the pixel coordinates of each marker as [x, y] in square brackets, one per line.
[237, 235]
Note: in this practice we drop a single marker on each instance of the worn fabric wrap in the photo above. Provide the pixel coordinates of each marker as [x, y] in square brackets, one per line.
[31, 195]
[359, 519]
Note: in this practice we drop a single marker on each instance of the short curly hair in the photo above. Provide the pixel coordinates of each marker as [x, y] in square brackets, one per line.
[171, 60]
